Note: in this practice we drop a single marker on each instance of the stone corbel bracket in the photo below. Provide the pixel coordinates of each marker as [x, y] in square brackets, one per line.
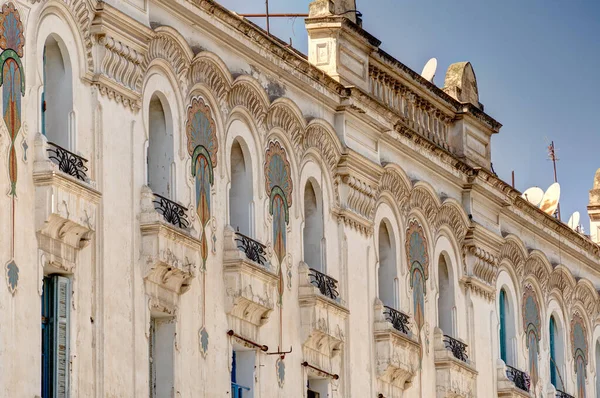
[120, 45]
[397, 355]
[323, 320]
[454, 378]
[65, 209]
[251, 287]
[170, 254]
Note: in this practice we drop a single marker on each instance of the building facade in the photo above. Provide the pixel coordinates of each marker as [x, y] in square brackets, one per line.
[196, 209]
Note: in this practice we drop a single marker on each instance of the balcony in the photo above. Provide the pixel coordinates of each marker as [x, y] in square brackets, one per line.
[250, 284]
[323, 316]
[65, 203]
[455, 375]
[397, 350]
[562, 394]
[512, 382]
[170, 252]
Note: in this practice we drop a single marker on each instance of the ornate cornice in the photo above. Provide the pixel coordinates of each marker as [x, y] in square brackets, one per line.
[121, 44]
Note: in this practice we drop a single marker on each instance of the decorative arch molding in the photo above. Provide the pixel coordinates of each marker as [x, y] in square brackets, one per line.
[538, 266]
[514, 252]
[77, 15]
[451, 215]
[423, 197]
[394, 182]
[586, 295]
[286, 115]
[562, 283]
[246, 92]
[167, 44]
[82, 13]
[209, 69]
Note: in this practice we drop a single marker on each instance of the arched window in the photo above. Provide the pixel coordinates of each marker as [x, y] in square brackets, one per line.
[508, 340]
[313, 229]
[160, 148]
[446, 306]
[556, 354]
[57, 98]
[597, 369]
[240, 193]
[387, 268]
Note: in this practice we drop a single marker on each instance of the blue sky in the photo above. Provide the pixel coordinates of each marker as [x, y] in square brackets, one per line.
[537, 64]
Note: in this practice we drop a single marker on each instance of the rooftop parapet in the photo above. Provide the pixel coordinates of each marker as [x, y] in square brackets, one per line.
[451, 117]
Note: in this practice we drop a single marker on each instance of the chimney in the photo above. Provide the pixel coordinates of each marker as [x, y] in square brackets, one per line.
[337, 44]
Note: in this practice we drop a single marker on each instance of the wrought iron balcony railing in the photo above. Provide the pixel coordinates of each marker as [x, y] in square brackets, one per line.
[399, 320]
[254, 250]
[174, 213]
[458, 348]
[520, 378]
[326, 284]
[67, 161]
[562, 394]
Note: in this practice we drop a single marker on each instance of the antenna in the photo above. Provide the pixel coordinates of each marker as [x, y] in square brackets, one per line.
[267, 15]
[554, 159]
[429, 70]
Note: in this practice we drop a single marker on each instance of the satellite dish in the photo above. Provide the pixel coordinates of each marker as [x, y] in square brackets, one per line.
[429, 70]
[534, 195]
[550, 199]
[574, 221]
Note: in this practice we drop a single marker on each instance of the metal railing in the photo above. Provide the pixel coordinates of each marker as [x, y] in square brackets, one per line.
[519, 378]
[458, 348]
[68, 162]
[562, 394]
[237, 391]
[173, 212]
[326, 284]
[254, 250]
[399, 320]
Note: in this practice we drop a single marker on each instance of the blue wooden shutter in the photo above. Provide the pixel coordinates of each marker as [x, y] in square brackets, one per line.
[60, 327]
[502, 305]
[46, 336]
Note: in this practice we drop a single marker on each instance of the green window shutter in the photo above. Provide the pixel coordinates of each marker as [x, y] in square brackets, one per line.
[502, 306]
[60, 323]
